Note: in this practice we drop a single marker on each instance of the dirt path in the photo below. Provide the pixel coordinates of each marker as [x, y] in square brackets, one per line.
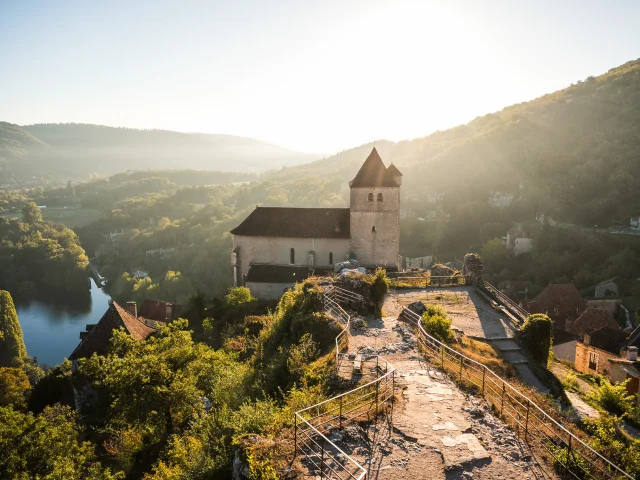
[435, 430]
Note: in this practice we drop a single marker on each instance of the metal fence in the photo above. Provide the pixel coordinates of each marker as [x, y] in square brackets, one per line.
[430, 281]
[503, 300]
[312, 424]
[571, 456]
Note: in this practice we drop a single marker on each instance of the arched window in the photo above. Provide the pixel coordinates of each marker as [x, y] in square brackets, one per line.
[371, 197]
[379, 197]
[292, 256]
[330, 258]
[373, 229]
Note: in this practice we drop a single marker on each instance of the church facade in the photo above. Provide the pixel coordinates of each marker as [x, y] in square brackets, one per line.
[273, 248]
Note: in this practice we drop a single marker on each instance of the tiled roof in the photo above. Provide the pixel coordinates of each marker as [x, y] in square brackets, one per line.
[562, 336]
[99, 336]
[592, 319]
[157, 310]
[563, 296]
[296, 223]
[634, 338]
[608, 339]
[373, 173]
[280, 273]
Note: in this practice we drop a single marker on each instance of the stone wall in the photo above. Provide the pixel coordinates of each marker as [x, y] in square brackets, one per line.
[268, 291]
[566, 351]
[277, 251]
[375, 226]
[603, 366]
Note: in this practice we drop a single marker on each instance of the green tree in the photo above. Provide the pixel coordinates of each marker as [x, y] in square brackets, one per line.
[495, 255]
[436, 323]
[31, 213]
[14, 387]
[536, 334]
[379, 288]
[11, 338]
[238, 296]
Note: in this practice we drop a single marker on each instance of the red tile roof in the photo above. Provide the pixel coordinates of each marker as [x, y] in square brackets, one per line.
[97, 339]
[157, 310]
[563, 298]
[590, 320]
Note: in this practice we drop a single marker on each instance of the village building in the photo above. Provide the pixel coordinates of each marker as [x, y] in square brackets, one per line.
[594, 352]
[97, 337]
[565, 345]
[607, 289]
[274, 247]
[561, 302]
[517, 241]
[590, 320]
[159, 311]
[634, 223]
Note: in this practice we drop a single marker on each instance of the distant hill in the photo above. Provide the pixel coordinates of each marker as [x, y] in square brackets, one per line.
[77, 151]
[573, 154]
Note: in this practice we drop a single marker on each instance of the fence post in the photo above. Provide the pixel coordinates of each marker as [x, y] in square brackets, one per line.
[322, 459]
[376, 412]
[484, 371]
[295, 435]
[526, 422]
[442, 350]
[341, 397]
[502, 404]
[461, 363]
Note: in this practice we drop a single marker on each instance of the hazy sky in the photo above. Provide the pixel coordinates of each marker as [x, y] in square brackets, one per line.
[315, 76]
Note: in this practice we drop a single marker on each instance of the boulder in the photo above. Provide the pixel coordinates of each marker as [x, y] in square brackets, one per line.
[349, 265]
[417, 307]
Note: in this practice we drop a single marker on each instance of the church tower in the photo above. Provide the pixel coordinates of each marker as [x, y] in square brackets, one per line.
[375, 214]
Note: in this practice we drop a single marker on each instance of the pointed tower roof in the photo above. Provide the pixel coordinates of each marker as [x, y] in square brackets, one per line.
[373, 173]
[393, 171]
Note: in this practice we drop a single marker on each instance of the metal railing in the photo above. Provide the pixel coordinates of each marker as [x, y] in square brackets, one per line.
[429, 281]
[503, 300]
[571, 455]
[314, 423]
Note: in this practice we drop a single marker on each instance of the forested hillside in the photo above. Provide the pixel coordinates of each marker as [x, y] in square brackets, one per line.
[573, 155]
[59, 152]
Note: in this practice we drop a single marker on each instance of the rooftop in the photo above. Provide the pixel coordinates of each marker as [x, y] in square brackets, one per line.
[373, 173]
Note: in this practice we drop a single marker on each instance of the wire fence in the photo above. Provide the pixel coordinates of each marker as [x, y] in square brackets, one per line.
[571, 456]
[313, 425]
[503, 300]
[430, 281]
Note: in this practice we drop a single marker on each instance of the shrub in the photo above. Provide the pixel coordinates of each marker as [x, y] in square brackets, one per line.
[570, 382]
[436, 323]
[238, 296]
[536, 336]
[613, 398]
[379, 288]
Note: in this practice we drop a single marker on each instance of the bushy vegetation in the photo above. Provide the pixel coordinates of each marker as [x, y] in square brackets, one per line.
[11, 339]
[536, 334]
[436, 323]
[613, 398]
[378, 289]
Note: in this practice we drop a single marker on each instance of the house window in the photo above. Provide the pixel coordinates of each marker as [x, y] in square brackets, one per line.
[373, 229]
[379, 197]
[371, 197]
[330, 258]
[292, 256]
[593, 361]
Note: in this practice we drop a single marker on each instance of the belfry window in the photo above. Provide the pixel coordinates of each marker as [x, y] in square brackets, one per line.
[330, 258]
[371, 197]
[379, 197]
[292, 256]
[373, 229]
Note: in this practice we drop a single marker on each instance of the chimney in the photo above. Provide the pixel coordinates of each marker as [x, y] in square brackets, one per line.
[632, 353]
[133, 308]
[169, 310]
[587, 339]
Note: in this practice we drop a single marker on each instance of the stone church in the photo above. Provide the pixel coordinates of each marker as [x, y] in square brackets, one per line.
[274, 247]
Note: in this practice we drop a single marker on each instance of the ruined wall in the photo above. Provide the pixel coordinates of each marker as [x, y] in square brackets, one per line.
[375, 226]
[277, 251]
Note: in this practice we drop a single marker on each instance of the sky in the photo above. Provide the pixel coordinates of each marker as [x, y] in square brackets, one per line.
[312, 76]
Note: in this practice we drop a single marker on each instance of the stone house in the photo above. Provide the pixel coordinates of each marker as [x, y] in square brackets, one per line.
[518, 242]
[561, 302]
[595, 352]
[419, 262]
[295, 242]
[591, 320]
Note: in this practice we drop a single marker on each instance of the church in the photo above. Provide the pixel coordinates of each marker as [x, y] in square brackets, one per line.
[275, 247]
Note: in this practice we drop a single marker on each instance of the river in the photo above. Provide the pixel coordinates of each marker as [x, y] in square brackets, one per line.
[52, 326]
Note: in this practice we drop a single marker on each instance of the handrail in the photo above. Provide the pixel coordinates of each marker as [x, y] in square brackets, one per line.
[415, 318]
[506, 301]
[364, 393]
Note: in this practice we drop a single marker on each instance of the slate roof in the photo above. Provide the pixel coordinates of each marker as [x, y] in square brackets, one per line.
[608, 339]
[157, 310]
[373, 173]
[296, 223]
[280, 273]
[634, 338]
[564, 296]
[592, 319]
[99, 336]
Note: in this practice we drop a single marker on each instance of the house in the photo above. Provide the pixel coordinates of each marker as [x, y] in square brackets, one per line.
[522, 245]
[561, 302]
[97, 338]
[140, 274]
[500, 200]
[284, 245]
[564, 345]
[518, 242]
[595, 352]
[590, 320]
[634, 223]
[159, 311]
[607, 289]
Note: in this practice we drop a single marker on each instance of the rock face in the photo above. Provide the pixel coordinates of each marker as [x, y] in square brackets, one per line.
[417, 307]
